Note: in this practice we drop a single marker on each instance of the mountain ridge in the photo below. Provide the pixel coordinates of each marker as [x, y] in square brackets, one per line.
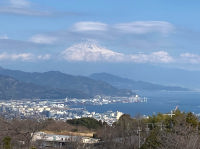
[10, 88]
[126, 83]
[62, 81]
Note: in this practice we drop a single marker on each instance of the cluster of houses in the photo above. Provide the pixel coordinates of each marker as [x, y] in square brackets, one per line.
[54, 140]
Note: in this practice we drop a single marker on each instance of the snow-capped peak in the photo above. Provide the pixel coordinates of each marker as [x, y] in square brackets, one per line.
[88, 51]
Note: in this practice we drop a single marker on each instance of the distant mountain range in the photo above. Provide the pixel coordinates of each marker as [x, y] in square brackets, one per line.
[18, 84]
[11, 88]
[15, 84]
[120, 82]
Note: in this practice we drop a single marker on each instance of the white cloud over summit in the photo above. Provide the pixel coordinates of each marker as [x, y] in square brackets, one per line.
[142, 35]
[137, 27]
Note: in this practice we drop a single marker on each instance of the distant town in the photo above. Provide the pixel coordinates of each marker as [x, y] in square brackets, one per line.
[63, 109]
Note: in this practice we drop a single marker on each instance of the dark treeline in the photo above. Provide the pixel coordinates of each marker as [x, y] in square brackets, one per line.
[180, 131]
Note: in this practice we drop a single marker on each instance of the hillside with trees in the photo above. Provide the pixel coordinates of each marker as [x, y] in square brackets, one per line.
[11, 88]
[70, 85]
[161, 131]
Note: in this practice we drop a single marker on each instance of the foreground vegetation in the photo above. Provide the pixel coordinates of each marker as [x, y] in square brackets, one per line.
[181, 131]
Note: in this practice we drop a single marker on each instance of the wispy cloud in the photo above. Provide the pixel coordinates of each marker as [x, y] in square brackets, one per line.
[19, 3]
[22, 7]
[143, 27]
[43, 39]
[3, 36]
[19, 11]
[142, 35]
[11, 45]
[154, 57]
[90, 26]
[44, 57]
[190, 58]
[23, 56]
[29, 8]
[92, 52]
[137, 27]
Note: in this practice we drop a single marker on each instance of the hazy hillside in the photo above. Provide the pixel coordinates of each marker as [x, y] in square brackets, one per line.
[131, 84]
[55, 79]
[11, 88]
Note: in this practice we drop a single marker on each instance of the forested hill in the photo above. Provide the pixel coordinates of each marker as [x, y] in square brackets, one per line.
[11, 88]
[55, 81]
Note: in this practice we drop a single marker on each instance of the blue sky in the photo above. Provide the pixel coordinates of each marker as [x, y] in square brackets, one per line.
[40, 35]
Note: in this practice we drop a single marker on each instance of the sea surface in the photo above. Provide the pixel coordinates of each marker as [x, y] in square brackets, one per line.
[158, 102]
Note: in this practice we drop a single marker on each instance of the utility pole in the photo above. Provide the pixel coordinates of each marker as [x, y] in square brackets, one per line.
[139, 142]
[171, 115]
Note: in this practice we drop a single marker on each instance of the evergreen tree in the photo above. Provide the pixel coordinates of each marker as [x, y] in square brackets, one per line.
[7, 143]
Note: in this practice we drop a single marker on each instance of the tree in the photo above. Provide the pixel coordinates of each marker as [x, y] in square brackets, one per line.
[7, 143]
[152, 141]
[192, 119]
[88, 122]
